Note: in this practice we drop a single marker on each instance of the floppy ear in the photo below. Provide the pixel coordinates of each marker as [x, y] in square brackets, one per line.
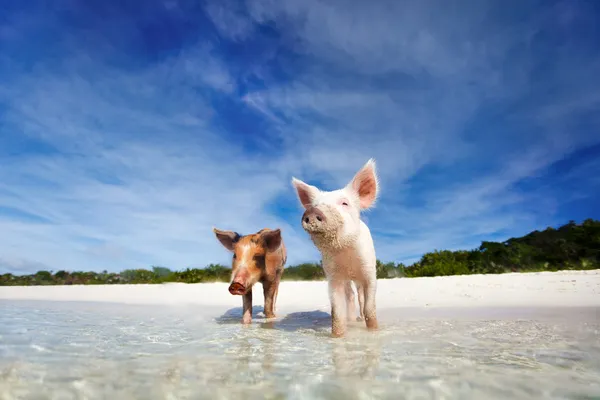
[272, 239]
[227, 238]
[366, 184]
[306, 193]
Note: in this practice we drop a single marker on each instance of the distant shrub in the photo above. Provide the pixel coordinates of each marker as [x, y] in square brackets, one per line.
[161, 272]
[304, 272]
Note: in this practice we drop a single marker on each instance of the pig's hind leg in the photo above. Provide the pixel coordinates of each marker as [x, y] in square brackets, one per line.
[270, 293]
[350, 306]
[275, 297]
[370, 289]
[361, 301]
[277, 290]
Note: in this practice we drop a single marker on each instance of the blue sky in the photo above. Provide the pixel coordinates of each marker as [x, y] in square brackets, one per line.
[128, 129]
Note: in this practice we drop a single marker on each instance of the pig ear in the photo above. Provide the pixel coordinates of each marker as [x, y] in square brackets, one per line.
[272, 239]
[366, 184]
[306, 193]
[227, 238]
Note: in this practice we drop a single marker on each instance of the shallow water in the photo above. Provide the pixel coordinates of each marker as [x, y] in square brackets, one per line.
[55, 350]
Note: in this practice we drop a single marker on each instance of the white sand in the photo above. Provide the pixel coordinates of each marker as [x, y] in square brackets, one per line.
[552, 289]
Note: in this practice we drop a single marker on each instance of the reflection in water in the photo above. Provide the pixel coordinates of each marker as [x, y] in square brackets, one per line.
[353, 359]
[252, 353]
[69, 351]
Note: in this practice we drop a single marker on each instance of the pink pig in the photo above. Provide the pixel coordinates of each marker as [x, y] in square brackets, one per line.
[332, 219]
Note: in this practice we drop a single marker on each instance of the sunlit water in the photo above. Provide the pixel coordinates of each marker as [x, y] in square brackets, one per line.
[106, 351]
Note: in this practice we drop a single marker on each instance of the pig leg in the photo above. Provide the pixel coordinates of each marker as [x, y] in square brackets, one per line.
[350, 305]
[247, 302]
[275, 297]
[337, 297]
[276, 292]
[269, 290]
[370, 289]
[361, 301]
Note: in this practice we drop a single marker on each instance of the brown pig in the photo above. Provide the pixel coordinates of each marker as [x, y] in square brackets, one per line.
[257, 257]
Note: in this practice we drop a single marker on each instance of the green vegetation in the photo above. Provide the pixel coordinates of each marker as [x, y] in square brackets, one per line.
[572, 246]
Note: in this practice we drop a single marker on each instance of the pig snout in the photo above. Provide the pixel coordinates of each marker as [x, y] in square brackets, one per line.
[237, 289]
[240, 283]
[313, 217]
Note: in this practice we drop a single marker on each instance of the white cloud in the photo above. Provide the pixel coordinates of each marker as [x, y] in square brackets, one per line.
[455, 63]
[229, 19]
[161, 212]
[388, 35]
[22, 266]
[142, 172]
[140, 177]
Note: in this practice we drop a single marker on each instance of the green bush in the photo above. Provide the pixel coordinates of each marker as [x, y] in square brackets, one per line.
[304, 272]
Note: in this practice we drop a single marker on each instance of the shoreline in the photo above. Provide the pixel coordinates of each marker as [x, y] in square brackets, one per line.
[532, 289]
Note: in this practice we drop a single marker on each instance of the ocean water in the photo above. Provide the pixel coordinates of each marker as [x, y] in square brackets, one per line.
[69, 350]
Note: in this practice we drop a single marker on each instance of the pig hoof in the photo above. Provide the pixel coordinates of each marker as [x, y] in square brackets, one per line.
[337, 334]
[359, 319]
[372, 324]
[270, 316]
[246, 321]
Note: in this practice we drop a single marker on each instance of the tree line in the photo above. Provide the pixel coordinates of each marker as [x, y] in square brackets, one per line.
[570, 247]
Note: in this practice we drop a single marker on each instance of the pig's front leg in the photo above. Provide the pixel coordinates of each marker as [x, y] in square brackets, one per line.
[370, 290]
[247, 306]
[337, 297]
[270, 292]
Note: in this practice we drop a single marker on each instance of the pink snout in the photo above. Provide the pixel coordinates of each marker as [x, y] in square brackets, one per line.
[313, 216]
[239, 285]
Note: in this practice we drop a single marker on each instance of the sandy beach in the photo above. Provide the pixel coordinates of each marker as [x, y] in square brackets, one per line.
[545, 289]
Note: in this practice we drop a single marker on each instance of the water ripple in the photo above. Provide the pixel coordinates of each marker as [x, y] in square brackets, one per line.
[69, 351]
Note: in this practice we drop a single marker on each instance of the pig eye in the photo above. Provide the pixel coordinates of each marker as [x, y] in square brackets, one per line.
[234, 256]
[344, 203]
